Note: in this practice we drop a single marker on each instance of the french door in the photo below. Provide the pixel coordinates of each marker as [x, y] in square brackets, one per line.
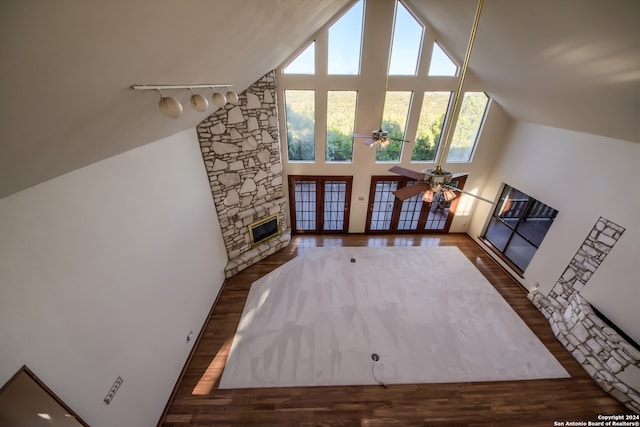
[387, 214]
[319, 204]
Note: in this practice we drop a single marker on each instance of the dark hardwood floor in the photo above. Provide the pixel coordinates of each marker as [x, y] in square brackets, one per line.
[198, 402]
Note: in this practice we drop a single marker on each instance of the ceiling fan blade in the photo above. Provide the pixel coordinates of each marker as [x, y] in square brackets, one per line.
[398, 139]
[411, 190]
[460, 174]
[369, 142]
[471, 194]
[361, 135]
[406, 172]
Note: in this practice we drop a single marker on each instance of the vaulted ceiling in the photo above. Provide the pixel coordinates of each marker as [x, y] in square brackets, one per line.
[67, 66]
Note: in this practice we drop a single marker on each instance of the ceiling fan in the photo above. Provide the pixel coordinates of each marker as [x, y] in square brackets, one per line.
[380, 137]
[436, 182]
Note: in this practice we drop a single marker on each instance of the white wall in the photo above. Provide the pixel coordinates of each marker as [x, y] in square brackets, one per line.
[104, 271]
[584, 177]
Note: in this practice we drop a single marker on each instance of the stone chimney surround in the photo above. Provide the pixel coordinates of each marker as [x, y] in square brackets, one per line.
[240, 147]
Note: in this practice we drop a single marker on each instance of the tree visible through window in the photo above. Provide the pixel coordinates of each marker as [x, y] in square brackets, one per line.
[348, 92]
[341, 115]
[300, 110]
[470, 119]
[394, 121]
[432, 113]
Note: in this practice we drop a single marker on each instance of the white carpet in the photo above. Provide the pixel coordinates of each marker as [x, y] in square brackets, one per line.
[427, 312]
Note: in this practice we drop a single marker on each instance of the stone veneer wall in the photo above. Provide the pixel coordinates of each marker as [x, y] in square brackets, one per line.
[608, 358]
[240, 147]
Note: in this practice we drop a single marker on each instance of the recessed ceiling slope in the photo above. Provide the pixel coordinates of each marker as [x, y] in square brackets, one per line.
[572, 64]
[67, 68]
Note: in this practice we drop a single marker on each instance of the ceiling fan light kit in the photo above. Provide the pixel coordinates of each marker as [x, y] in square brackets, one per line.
[172, 108]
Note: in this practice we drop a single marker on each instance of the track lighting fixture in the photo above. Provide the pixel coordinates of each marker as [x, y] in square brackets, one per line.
[171, 107]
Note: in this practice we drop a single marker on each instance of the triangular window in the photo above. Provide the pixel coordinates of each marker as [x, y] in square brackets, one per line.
[441, 64]
[345, 42]
[304, 63]
[407, 38]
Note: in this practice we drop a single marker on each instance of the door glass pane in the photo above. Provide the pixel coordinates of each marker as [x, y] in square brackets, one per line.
[410, 211]
[300, 112]
[394, 121]
[345, 40]
[520, 252]
[383, 205]
[438, 213]
[341, 115]
[474, 105]
[441, 64]
[407, 38]
[334, 205]
[536, 222]
[305, 196]
[434, 108]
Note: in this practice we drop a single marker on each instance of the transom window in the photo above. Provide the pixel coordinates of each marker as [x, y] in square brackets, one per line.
[345, 41]
[407, 40]
[303, 63]
[441, 64]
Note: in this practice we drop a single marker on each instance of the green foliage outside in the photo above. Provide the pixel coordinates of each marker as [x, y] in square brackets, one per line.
[341, 114]
[467, 127]
[434, 109]
[300, 107]
[341, 105]
[394, 121]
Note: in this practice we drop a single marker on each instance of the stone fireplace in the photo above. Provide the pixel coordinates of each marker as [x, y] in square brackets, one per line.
[240, 147]
[608, 358]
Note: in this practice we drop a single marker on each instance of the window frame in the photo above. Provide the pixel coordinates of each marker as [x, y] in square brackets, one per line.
[478, 133]
[495, 216]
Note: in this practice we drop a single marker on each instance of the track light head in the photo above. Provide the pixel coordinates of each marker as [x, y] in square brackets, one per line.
[232, 97]
[199, 102]
[170, 107]
[219, 99]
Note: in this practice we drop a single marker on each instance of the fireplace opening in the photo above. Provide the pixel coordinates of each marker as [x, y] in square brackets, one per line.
[263, 230]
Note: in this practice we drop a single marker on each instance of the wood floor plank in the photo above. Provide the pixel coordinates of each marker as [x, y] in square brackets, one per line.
[198, 402]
